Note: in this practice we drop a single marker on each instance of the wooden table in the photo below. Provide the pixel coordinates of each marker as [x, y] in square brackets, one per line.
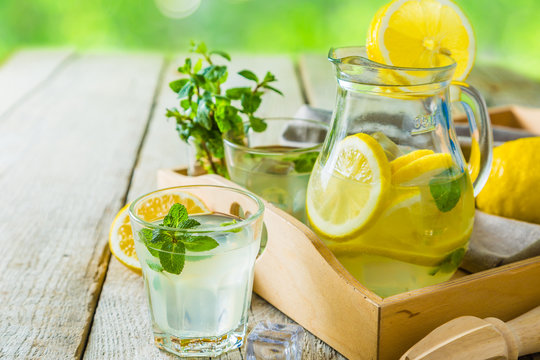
[80, 135]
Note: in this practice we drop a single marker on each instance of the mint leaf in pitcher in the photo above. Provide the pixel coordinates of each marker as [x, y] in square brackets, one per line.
[450, 262]
[444, 191]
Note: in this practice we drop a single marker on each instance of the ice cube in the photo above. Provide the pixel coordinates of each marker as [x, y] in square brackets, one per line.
[391, 149]
[270, 341]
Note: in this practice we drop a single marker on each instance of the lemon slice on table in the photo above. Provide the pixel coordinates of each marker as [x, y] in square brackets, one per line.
[349, 200]
[121, 241]
[414, 33]
[421, 170]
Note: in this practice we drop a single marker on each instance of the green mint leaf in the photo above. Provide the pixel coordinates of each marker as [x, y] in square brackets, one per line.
[177, 214]
[186, 69]
[273, 89]
[198, 79]
[154, 266]
[160, 236]
[199, 48]
[450, 262]
[172, 257]
[146, 236]
[222, 100]
[250, 102]
[214, 72]
[225, 116]
[269, 77]
[446, 194]
[185, 104]
[257, 124]
[198, 66]
[200, 243]
[236, 93]
[186, 91]
[305, 162]
[248, 75]
[203, 115]
[223, 54]
[177, 85]
[188, 224]
[227, 223]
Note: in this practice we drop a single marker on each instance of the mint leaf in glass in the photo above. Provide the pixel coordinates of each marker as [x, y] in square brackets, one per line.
[177, 214]
[154, 266]
[200, 243]
[169, 245]
[445, 193]
[305, 162]
[188, 224]
[172, 257]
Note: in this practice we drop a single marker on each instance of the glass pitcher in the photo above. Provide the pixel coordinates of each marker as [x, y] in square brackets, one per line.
[391, 193]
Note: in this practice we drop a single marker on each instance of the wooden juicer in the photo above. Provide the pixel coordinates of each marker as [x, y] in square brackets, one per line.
[469, 337]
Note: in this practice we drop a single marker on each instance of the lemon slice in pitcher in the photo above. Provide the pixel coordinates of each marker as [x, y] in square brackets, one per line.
[414, 33]
[344, 202]
[423, 169]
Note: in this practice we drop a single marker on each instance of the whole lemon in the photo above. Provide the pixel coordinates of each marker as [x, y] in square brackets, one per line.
[513, 186]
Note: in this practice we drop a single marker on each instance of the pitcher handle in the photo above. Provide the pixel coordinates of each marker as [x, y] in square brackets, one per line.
[481, 134]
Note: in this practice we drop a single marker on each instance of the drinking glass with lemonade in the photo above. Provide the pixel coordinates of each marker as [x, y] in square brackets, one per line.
[391, 193]
[198, 266]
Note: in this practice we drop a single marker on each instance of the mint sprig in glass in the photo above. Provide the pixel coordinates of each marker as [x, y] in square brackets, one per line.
[198, 268]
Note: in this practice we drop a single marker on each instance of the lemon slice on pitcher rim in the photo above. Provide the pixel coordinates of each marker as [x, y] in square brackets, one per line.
[121, 242]
[415, 33]
[353, 195]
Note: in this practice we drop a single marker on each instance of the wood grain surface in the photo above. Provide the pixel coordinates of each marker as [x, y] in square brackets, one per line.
[25, 71]
[67, 156]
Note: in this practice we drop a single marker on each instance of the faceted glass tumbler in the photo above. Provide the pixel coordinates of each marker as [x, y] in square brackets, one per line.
[270, 341]
[202, 310]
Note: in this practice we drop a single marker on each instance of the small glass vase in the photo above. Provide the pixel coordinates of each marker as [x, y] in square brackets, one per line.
[199, 164]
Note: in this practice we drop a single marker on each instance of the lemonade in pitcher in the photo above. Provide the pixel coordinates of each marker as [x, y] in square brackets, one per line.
[394, 225]
[391, 193]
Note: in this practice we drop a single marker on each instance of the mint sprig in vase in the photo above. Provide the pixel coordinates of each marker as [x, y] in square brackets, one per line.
[206, 111]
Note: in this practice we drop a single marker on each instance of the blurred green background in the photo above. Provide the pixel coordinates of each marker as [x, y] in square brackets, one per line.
[507, 31]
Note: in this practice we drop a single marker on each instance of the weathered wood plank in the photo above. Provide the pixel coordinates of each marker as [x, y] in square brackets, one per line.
[499, 86]
[25, 70]
[121, 328]
[66, 156]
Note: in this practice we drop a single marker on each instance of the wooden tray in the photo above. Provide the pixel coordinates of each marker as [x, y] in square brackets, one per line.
[516, 117]
[302, 278]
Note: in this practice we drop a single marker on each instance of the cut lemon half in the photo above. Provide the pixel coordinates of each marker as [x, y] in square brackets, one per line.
[422, 170]
[406, 159]
[346, 200]
[121, 241]
[421, 34]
